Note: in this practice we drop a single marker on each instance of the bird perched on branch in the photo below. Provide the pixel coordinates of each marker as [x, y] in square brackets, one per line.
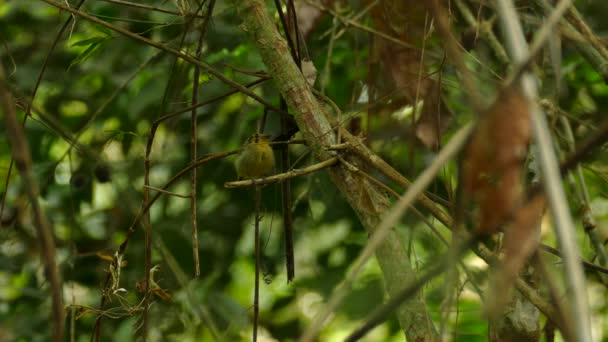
[256, 159]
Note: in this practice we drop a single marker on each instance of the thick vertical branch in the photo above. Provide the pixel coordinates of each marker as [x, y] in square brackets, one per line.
[21, 155]
[286, 203]
[369, 204]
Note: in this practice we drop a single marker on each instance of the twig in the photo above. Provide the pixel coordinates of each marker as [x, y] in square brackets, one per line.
[200, 309]
[554, 293]
[355, 146]
[326, 73]
[194, 140]
[599, 137]
[119, 90]
[526, 54]
[585, 263]
[167, 192]
[152, 8]
[256, 236]
[455, 53]
[282, 176]
[201, 104]
[145, 207]
[351, 22]
[379, 315]
[358, 16]
[588, 220]
[501, 54]
[584, 43]
[530, 293]
[146, 222]
[574, 18]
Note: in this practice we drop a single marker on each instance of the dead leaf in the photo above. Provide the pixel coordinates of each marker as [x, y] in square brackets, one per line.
[401, 78]
[493, 164]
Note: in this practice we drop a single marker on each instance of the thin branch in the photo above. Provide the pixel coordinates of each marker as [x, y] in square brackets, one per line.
[167, 192]
[152, 8]
[456, 54]
[354, 145]
[390, 220]
[352, 22]
[188, 58]
[23, 159]
[599, 137]
[393, 193]
[145, 207]
[587, 213]
[199, 309]
[256, 287]
[499, 50]
[194, 140]
[584, 43]
[282, 176]
[574, 18]
[34, 92]
[585, 263]
[381, 314]
[183, 172]
[204, 103]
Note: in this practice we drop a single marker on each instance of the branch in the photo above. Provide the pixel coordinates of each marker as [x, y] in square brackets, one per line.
[23, 159]
[550, 171]
[282, 176]
[179, 54]
[367, 201]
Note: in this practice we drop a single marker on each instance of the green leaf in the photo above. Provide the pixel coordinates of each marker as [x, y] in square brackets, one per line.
[104, 30]
[92, 50]
[90, 41]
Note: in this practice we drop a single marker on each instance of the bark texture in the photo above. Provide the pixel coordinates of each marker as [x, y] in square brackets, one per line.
[369, 203]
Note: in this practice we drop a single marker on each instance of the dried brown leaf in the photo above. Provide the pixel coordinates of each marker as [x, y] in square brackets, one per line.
[493, 164]
[400, 67]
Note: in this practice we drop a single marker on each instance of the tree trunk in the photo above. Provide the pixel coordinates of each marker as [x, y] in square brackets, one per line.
[369, 203]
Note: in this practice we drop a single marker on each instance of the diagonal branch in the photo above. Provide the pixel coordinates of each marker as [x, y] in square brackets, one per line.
[368, 202]
[23, 160]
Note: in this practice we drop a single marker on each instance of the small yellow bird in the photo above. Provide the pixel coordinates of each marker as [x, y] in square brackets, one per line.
[256, 159]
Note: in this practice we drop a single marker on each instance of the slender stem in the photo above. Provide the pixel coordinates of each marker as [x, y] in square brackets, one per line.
[256, 290]
[588, 220]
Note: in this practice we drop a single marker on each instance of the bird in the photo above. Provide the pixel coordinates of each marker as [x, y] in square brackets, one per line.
[256, 158]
